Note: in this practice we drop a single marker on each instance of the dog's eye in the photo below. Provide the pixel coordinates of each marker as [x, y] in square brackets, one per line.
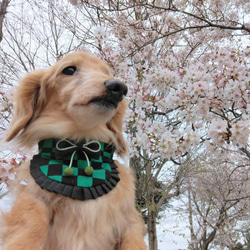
[69, 70]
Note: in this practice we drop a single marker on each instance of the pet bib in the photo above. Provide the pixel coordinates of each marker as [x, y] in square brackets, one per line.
[79, 170]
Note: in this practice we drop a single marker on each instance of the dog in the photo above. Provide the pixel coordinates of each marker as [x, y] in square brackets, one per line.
[81, 199]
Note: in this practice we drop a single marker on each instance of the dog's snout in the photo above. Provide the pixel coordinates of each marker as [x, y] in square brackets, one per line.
[116, 88]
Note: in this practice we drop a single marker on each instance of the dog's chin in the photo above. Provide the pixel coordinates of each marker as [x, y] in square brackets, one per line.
[93, 114]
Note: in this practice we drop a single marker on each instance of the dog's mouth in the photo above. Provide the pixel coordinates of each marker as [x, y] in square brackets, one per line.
[115, 90]
[105, 101]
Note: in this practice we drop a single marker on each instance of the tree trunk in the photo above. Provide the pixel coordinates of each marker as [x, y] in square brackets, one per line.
[152, 235]
[207, 240]
[3, 11]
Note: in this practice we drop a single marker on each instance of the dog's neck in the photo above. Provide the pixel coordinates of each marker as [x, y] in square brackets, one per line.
[79, 170]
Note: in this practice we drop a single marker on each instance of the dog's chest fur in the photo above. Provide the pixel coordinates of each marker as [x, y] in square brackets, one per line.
[88, 224]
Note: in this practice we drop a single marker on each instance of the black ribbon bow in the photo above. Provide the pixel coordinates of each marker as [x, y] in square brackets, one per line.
[66, 147]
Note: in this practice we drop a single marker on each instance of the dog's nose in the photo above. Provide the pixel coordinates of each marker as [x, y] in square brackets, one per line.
[116, 88]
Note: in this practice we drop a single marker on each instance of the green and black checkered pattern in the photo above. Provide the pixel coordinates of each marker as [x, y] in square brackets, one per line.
[47, 168]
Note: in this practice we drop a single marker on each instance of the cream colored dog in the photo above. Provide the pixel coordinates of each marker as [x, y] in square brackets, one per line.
[74, 105]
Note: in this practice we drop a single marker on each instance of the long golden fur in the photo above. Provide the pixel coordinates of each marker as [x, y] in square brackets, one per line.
[49, 104]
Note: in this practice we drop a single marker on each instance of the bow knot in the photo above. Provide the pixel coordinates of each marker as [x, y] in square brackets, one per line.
[66, 147]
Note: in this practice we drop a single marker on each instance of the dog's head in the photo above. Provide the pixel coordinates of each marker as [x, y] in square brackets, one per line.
[76, 98]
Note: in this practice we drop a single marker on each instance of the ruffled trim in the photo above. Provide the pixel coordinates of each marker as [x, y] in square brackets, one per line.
[74, 192]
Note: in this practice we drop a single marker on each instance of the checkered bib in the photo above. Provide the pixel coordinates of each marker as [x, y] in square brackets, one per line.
[47, 169]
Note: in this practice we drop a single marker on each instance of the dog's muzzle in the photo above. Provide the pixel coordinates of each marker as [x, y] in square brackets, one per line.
[115, 91]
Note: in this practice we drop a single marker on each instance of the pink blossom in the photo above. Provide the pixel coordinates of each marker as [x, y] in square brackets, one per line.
[240, 132]
[216, 131]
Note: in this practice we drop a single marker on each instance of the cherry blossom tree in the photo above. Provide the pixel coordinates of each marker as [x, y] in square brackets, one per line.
[33, 38]
[217, 200]
[187, 67]
[189, 64]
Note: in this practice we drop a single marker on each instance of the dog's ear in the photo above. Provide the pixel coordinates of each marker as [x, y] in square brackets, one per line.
[29, 98]
[116, 126]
